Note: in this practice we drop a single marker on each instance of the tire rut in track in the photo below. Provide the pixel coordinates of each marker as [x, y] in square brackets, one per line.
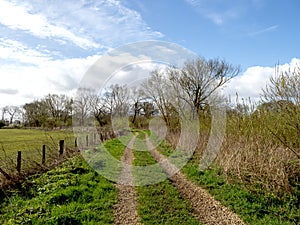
[125, 210]
[205, 208]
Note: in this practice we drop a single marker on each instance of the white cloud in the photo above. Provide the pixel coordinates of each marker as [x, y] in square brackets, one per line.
[111, 22]
[17, 17]
[26, 83]
[265, 30]
[40, 31]
[86, 24]
[218, 19]
[250, 83]
[18, 52]
[135, 74]
[220, 11]
[8, 91]
[254, 79]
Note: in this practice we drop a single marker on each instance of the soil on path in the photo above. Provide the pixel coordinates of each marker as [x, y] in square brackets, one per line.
[205, 208]
[126, 209]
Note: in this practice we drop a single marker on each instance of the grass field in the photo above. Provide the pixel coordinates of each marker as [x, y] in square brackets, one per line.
[12, 140]
[30, 142]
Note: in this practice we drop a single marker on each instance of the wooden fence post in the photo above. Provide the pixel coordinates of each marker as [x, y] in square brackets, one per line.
[19, 161]
[61, 147]
[76, 143]
[44, 154]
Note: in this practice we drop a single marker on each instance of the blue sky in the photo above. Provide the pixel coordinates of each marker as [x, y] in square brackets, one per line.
[47, 46]
[245, 32]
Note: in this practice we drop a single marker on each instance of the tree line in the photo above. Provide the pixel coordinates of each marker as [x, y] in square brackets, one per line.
[168, 92]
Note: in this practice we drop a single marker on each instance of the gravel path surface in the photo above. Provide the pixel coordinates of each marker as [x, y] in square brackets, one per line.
[205, 208]
[126, 209]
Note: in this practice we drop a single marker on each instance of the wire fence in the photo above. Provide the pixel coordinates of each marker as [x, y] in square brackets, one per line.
[39, 156]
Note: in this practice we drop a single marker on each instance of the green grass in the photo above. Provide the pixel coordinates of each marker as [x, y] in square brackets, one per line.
[162, 204]
[147, 170]
[70, 194]
[143, 158]
[117, 146]
[256, 207]
[74, 193]
[30, 142]
[12, 140]
[141, 135]
[165, 148]
[106, 158]
[159, 203]
[140, 144]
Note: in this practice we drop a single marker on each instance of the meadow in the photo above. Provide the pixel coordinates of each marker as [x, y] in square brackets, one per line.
[30, 142]
[13, 140]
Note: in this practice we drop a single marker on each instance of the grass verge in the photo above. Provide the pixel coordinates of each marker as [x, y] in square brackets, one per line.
[73, 193]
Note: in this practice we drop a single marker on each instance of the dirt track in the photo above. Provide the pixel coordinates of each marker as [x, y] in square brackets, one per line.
[126, 209]
[205, 208]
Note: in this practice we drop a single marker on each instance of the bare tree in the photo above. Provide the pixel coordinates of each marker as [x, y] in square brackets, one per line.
[51, 111]
[98, 109]
[12, 111]
[148, 108]
[82, 106]
[193, 86]
[157, 88]
[199, 79]
[116, 100]
[59, 108]
[3, 114]
[136, 97]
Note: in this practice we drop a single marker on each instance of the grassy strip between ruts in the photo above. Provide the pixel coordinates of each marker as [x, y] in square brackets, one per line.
[72, 193]
[255, 208]
[160, 203]
[139, 143]
[116, 146]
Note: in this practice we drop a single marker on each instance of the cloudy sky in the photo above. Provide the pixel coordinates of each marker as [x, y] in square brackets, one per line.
[46, 46]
